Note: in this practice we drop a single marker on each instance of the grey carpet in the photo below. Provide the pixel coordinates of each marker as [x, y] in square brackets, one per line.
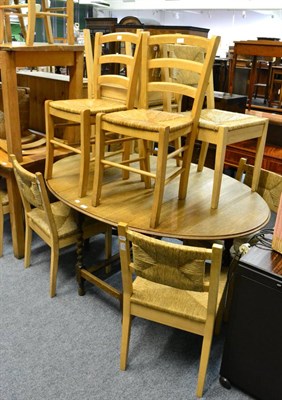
[67, 348]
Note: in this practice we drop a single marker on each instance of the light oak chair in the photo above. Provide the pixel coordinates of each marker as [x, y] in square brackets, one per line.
[31, 11]
[222, 128]
[157, 126]
[269, 185]
[112, 86]
[55, 223]
[4, 209]
[173, 286]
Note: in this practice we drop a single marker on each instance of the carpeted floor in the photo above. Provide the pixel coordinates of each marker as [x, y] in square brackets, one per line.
[67, 348]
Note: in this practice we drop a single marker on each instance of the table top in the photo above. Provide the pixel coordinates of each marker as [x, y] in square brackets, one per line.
[38, 46]
[258, 47]
[240, 211]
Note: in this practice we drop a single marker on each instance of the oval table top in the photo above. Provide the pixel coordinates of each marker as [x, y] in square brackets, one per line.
[240, 211]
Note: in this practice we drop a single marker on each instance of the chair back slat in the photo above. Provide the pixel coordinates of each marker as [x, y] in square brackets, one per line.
[167, 71]
[116, 56]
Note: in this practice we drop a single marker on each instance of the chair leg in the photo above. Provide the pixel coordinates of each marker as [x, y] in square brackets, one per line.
[1, 230]
[98, 165]
[53, 269]
[8, 30]
[70, 19]
[85, 152]
[127, 145]
[259, 156]
[50, 133]
[2, 26]
[186, 164]
[144, 148]
[47, 23]
[125, 335]
[27, 246]
[160, 178]
[31, 22]
[202, 156]
[218, 171]
[205, 354]
[108, 247]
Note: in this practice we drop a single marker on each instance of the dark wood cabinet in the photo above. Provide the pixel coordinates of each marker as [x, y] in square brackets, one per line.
[252, 354]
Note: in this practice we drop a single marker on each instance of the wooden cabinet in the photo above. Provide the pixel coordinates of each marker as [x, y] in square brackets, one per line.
[252, 351]
[107, 25]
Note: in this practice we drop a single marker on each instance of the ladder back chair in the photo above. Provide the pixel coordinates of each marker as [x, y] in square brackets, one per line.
[4, 209]
[158, 126]
[30, 11]
[222, 128]
[112, 85]
[55, 223]
[174, 286]
[269, 185]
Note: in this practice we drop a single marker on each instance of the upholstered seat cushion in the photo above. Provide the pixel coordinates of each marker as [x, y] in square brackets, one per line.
[75, 106]
[64, 218]
[213, 119]
[149, 119]
[184, 303]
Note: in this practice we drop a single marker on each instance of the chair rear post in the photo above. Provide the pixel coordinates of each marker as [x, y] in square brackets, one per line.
[124, 251]
[89, 62]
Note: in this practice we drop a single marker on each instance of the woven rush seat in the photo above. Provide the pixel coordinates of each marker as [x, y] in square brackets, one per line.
[213, 119]
[148, 119]
[76, 106]
[223, 128]
[107, 92]
[158, 297]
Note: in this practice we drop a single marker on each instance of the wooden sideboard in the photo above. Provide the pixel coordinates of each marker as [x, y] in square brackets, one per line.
[107, 25]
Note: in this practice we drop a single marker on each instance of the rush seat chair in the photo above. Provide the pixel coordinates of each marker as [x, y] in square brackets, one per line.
[55, 223]
[221, 128]
[112, 85]
[171, 284]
